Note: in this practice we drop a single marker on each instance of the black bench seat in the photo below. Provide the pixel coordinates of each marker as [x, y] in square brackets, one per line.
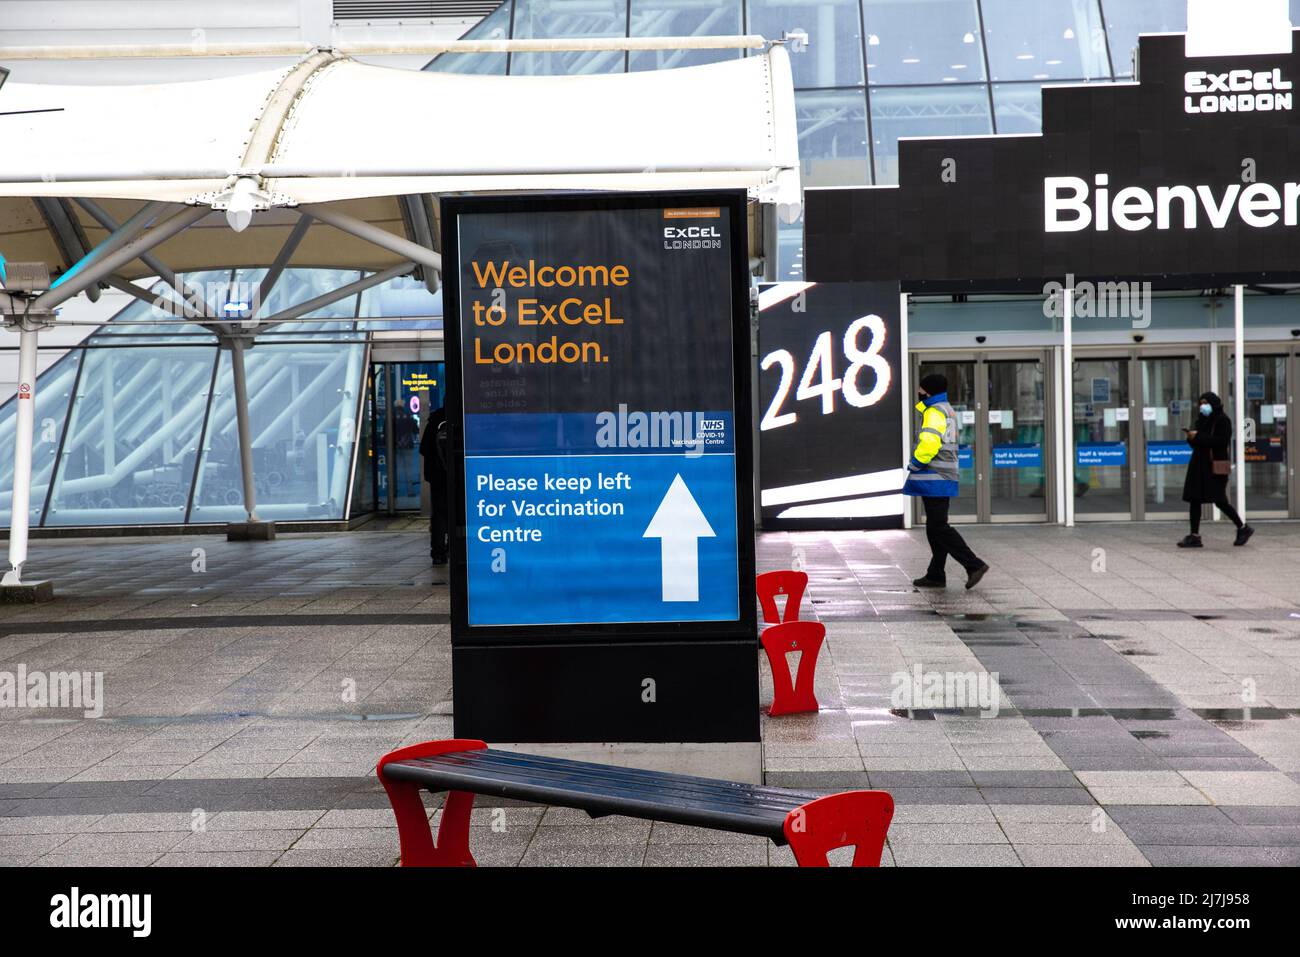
[803, 819]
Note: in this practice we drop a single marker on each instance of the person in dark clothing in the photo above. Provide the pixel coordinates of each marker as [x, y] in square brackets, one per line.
[933, 475]
[435, 473]
[1207, 482]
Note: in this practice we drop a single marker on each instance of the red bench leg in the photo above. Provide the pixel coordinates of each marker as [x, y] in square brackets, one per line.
[793, 696]
[858, 818]
[413, 832]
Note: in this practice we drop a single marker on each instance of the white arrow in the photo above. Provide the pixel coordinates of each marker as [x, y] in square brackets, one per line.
[679, 524]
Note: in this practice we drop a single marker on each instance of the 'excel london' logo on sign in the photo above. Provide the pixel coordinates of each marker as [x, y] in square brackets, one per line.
[1237, 91]
[692, 236]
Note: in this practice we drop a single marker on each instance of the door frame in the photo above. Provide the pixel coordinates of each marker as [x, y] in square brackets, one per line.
[1137, 447]
[1291, 351]
[982, 452]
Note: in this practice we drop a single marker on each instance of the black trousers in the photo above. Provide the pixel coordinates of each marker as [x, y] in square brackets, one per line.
[1221, 503]
[944, 540]
[438, 522]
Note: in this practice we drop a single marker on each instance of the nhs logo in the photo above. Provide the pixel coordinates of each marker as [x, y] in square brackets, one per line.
[713, 425]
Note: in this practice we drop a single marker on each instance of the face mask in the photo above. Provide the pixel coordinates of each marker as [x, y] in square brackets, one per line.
[1206, 409]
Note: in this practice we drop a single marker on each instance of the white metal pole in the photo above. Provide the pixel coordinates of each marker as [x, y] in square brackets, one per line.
[20, 517]
[1219, 387]
[1239, 400]
[1067, 397]
[245, 431]
[1064, 475]
[905, 384]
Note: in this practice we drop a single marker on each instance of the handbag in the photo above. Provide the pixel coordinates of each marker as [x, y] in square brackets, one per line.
[1221, 466]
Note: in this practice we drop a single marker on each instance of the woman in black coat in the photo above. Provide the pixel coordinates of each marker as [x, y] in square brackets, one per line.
[1210, 439]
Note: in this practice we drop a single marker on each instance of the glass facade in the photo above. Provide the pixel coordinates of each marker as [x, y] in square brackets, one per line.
[873, 71]
[136, 426]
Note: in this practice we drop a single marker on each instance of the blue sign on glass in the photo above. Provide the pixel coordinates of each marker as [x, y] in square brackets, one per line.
[965, 457]
[1101, 453]
[1255, 386]
[1168, 453]
[1101, 389]
[1018, 455]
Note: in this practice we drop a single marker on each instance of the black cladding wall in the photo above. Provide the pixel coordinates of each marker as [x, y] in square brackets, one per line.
[985, 230]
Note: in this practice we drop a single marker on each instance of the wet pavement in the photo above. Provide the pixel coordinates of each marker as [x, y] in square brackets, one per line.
[1102, 698]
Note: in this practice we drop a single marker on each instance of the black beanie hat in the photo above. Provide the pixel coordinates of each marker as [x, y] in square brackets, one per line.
[934, 383]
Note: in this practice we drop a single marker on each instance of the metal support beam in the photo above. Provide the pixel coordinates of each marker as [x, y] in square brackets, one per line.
[237, 347]
[161, 269]
[373, 234]
[1067, 398]
[334, 295]
[94, 268]
[282, 257]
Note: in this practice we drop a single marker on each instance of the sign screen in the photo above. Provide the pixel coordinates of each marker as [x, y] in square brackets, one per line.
[830, 426]
[599, 408]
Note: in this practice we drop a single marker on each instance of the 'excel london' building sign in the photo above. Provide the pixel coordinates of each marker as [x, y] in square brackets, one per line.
[1186, 177]
[1236, 91]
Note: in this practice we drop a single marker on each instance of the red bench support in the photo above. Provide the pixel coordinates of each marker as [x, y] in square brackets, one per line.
[793, 695]
[858, 818]
[789, 583]
[414, 835]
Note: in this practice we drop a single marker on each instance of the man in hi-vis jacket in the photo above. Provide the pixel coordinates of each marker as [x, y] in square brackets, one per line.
[932, 474]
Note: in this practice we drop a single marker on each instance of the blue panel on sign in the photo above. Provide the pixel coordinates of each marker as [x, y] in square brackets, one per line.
[1017, 455]
[542, 530]
[1101, 454]
[965, 457]
[1168, 453]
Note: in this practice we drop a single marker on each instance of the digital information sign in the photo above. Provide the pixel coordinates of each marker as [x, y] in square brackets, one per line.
[830, 414]
[598, 377]
[602, 566]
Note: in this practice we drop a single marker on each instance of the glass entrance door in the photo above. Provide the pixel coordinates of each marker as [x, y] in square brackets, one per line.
[402, 396]
[1102, 463]
[961, 395]
[1170, 387]
[1016, 421]
[1267, 407]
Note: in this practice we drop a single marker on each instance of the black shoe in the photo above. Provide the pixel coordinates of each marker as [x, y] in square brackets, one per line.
[1243, 535]
[925, 582]
[1190, 541]
[974, 577]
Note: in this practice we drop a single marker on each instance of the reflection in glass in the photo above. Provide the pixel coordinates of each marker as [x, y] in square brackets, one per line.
[546, 19]
[302, 405]
[1045, 40]
[53, 394]
[1101, 437]
[683, 18]
[1126, 19]
[834, 53]
[132, 436]
[1017, 438]
[297, 286]
[923, 41]
[832, 137]
[495, 26]
[1018, 107]
[1266, 456]
[923, 111]
[1169, 390]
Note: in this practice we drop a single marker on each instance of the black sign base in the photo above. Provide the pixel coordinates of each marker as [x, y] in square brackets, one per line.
[691, 691]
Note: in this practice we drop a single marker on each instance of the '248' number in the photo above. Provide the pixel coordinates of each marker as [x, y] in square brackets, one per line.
[821, 361]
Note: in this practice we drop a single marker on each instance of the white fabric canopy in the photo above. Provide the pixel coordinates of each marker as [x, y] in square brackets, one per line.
[332, 128]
